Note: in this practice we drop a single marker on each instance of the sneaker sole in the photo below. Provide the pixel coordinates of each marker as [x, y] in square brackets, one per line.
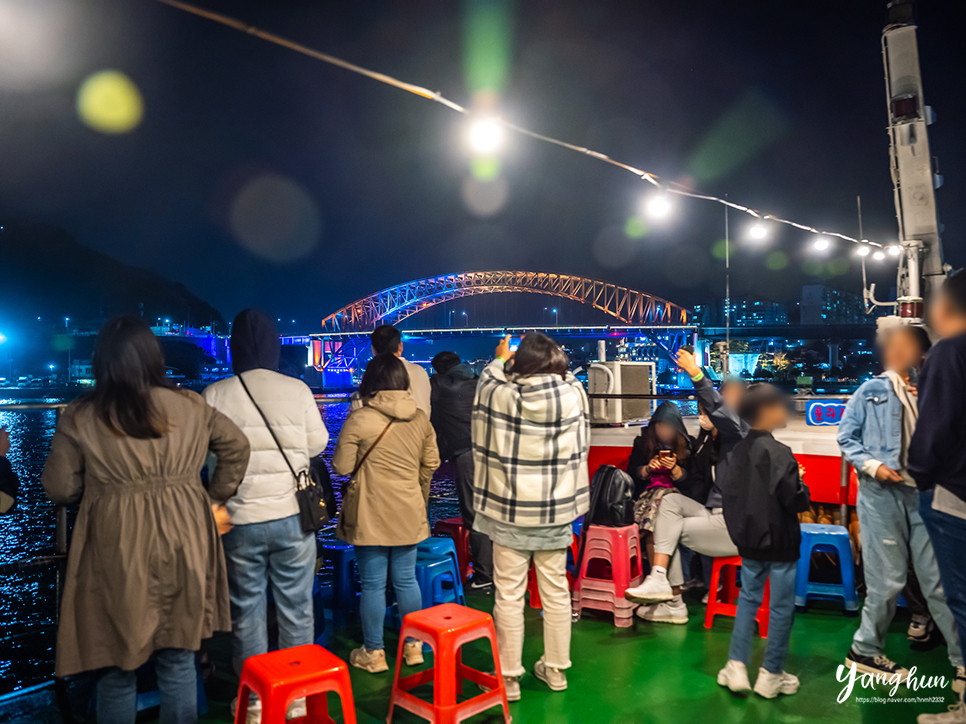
[722, 681]
[649, 599]
[863, 669]
[414, 662]
[665, 619]
[552, 686]
[372, 669]
[771, 695]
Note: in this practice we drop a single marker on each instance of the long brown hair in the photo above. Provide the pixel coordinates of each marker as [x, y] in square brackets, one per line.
[128, 365]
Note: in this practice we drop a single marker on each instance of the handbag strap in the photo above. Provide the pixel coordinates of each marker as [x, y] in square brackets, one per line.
[371, 448]
[298, 479]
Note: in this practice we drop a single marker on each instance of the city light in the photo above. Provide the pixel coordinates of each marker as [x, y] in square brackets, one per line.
[863, 250]
[486, 135]
[895, 250]
[821, 243]
[3, 338]
[658, 206]
[758, 232]
[879, 255]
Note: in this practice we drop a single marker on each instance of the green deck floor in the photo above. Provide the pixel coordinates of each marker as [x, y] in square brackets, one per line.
[651, 673]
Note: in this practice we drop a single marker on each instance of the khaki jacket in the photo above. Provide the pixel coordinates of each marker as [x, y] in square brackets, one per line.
[385, 503]
[146, 569]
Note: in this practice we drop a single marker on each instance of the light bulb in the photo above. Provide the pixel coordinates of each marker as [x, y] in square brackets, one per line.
[658, 206]
[486, 135]
[895, 250]
[821, 243]
[863, 250]
[879, 255]
[758, 231]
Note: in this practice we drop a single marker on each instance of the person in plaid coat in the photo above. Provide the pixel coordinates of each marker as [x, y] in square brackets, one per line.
[531, 434]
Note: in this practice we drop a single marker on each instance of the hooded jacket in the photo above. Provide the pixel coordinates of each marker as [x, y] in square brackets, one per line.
[384, 504]
[762, 499]
[731, 428]
[452, 404]
[670, 413]
[268, 490]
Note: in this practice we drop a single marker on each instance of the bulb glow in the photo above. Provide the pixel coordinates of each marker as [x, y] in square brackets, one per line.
[895, 250]
[879, 255]
[658, 206]
[486, 135]
[758, 232]
[863, 250]
[821, 243]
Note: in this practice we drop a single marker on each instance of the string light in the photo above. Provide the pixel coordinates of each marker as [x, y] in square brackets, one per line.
[821, 243]
[879, 255]
[895, 250]
[486, 135]
[658, 206]
[669, 187]
[862, 250]
[758, 232]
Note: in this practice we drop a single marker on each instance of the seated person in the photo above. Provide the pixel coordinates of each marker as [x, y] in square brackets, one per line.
[659, 461]
[683, 521]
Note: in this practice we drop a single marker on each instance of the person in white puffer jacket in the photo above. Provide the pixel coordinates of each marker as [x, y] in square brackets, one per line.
[266, 545]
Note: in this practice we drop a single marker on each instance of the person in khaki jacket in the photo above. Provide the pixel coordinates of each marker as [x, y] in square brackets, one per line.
[388, 446]
[146, 570]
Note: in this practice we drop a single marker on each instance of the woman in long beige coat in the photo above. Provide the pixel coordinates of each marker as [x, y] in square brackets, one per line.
[389, 448]
[146, 570]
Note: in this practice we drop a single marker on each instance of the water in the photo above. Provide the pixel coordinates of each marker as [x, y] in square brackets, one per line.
[28, 598]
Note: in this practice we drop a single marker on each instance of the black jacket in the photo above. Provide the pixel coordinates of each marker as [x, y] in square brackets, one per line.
[9, 484]
[451, 398]
[731, 428]
[670, 413]
[762, 498]
[937, 452]
[700, 480]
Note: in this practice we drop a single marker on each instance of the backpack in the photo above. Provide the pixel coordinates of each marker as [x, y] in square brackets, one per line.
[611, 503]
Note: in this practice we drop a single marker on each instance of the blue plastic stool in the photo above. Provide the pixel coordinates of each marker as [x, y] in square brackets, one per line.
[439, 548]
[433, 574]
[826, 539]
[345, 590]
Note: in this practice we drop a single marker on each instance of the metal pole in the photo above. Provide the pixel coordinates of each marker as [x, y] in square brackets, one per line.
[725, 362]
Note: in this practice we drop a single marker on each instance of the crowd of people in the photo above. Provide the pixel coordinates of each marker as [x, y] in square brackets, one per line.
[161, 558]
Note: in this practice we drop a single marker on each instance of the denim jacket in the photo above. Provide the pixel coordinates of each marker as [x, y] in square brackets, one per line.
[871, 426]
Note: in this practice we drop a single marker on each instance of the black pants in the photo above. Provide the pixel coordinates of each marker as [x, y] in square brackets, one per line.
[481, 548]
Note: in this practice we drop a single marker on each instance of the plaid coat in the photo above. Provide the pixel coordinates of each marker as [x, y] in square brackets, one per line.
[530, 441]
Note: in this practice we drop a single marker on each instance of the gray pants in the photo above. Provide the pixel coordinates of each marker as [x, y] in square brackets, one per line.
[892, 532]
[683, 521]
[481, 548]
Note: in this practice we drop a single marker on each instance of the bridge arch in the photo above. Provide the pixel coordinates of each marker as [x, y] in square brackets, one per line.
[392, 305]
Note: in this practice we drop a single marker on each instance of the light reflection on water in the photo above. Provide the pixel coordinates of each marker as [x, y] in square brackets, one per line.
[27, 599]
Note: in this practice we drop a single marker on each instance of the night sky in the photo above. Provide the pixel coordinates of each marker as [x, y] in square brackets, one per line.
[780, 105]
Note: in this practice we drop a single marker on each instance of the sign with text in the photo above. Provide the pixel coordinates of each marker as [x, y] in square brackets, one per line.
[824, 412]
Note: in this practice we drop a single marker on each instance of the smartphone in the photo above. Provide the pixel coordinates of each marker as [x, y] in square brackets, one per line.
[514, 345]
[913, 376]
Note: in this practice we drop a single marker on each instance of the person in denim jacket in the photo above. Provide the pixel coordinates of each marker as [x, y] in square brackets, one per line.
[874, 436]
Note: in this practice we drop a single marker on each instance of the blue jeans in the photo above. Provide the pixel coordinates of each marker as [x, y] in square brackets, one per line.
[279, 554]
[948, 534]
[375, 564]
[893, 531]
[117, 690]
[781, 604]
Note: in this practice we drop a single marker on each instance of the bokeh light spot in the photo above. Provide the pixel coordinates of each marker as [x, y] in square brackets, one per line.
[635, 228]
[485, 198]
[838, 267]
[719, 248]
[485, 168]
[108, 101]
[776, 260]
[813, 267]
[275, 218]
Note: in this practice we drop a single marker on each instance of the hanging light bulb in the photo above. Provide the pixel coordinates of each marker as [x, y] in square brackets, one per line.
[658, 206]
[895, 250]
[879, 255]
[486, 135]
[758, 232]
[821, 243]
[863, 250]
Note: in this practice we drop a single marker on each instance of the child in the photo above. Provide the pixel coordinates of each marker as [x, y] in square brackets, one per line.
[762, 497]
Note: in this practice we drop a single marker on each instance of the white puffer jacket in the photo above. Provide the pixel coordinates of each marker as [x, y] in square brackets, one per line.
[268, 490]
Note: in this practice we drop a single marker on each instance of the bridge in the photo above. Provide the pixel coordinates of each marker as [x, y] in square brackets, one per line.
[344, 339]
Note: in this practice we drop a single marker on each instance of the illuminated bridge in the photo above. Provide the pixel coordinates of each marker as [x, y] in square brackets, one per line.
[344, 339]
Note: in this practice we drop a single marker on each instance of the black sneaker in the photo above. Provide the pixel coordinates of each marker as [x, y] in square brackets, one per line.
[481, 586]
[880, 664]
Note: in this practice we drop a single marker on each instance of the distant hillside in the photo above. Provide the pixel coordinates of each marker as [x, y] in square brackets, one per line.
[45, 273]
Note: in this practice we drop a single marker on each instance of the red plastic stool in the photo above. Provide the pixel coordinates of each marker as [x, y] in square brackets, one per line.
[618, 554]
[533, 588]
[281, 677]
[446, 628]
[453, 528]
[727, 606]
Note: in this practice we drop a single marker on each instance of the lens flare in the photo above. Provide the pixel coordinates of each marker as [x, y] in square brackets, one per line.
[486, 135]
[658, 206]
[109, 102]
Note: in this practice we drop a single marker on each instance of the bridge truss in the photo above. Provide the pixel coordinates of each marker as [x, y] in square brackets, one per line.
[392, 305]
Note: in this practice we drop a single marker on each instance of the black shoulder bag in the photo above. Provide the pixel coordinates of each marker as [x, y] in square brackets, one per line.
[313, 487]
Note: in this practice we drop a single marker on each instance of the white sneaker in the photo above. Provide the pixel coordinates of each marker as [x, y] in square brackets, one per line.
[554, 678]
[770, 685]
[297, 709]
[512, 684]
[735, 676]
[413, 653]
[920, 628]
[653, 589]
[254, 715]
[372, 661]
[955, 715]
[667, 612]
